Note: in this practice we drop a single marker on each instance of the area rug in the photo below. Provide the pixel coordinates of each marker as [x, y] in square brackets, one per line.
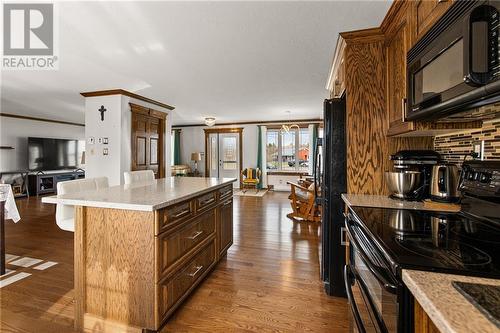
[250, 193]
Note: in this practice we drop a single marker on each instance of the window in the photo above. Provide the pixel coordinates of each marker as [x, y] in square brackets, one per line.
[287, 151]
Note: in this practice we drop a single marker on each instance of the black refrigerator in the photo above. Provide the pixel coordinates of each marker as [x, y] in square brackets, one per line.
[333, 184]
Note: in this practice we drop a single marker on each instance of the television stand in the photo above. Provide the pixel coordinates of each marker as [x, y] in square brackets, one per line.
[44, 182]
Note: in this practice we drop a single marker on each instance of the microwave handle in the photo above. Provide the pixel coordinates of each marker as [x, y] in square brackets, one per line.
[477, 45]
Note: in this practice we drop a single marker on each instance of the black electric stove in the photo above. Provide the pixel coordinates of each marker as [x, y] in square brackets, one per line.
[383, 242]
[451, 243]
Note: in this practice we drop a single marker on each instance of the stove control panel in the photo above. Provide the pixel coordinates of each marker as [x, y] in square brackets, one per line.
[481, 178]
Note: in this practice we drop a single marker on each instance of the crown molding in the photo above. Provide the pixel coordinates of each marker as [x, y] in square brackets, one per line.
[126, 93]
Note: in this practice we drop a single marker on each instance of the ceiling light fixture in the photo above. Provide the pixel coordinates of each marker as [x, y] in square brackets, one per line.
[287, 128]
[210, 121]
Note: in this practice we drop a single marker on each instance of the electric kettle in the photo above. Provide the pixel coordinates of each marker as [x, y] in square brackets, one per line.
[444, 183]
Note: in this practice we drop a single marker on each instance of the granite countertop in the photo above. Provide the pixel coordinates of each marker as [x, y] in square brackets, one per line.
[383, 201]
[144, 196]
[449, 310]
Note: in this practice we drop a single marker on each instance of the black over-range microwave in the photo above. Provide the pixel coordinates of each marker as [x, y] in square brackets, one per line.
[456, 64]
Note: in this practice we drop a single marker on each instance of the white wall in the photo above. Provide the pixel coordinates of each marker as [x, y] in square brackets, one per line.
[15, 132]
[117, 127]
[193, 140]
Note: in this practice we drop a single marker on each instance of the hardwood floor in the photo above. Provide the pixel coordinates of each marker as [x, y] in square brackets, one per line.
[269, 281]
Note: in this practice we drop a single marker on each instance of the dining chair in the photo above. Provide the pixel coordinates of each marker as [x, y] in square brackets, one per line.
[65, 214]
[132, 177]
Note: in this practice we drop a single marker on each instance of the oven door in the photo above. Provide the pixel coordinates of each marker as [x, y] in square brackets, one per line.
[372, 290]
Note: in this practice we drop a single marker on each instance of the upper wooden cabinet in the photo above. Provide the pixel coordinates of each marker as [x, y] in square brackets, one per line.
[428, 12]
[404, 24]
[400, 37]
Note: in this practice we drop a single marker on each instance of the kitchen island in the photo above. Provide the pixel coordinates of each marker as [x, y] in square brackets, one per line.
[141, 249]
[439, 307]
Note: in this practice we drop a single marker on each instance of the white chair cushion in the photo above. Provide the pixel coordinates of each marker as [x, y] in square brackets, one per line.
[65, 214]
[131, 177]
[68, 224]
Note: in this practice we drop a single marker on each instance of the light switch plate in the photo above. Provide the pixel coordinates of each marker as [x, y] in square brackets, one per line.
[105, 151]
[105, 141]
[91, 140]
[99, 140]
[479, 149]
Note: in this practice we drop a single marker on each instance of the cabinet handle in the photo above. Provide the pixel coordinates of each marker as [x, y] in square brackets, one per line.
[206, 202]
[195, 235]
[439, 1]
[182, 212]
[403, 109]
[198, 269]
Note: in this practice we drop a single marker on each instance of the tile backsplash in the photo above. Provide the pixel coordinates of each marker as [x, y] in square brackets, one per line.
[453, 147]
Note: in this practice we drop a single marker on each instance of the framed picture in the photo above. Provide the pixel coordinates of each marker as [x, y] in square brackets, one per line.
[17, 189]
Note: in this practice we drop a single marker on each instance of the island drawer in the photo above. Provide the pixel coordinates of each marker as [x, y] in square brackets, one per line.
[205, 201]
[171, 291]
[226, 192]
[175, 214]
[173, 246]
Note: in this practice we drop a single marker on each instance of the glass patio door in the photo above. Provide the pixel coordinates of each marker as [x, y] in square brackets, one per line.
[224, 156]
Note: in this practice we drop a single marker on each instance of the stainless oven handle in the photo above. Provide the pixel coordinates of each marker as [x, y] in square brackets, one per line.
[350, 296]
[354, 276]
[390, 287]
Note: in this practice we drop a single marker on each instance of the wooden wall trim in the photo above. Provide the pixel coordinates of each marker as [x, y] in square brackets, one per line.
[224, 130]
[9, 115]
[270, 122]
[372, 35]
[126, 93]
[147, 111]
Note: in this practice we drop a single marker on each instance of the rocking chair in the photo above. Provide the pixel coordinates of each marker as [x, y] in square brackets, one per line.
[303, 203]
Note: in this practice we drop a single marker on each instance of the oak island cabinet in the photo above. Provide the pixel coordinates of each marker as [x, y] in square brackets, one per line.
[141, 250]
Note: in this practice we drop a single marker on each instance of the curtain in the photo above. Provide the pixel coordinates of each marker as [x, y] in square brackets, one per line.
[177, 147]
[313, 135]
[259, 154]
[262, 155]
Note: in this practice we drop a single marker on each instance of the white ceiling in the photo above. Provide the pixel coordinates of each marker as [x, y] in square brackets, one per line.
[236, 61]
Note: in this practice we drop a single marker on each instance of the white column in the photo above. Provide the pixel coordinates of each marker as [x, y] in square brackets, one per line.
[97, 164]
[117, 128]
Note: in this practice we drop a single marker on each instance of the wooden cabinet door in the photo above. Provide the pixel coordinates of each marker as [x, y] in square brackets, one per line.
[147, 143]
[397, 46]
[225, 226]
[428, 12]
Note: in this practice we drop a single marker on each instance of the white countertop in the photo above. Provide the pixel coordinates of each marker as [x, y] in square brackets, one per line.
[449, 310]
[145, 196]
[383, 201]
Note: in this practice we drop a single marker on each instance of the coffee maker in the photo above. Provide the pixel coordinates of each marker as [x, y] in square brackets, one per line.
[418, 162]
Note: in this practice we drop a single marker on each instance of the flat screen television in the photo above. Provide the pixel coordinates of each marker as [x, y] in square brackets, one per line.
[46, 154]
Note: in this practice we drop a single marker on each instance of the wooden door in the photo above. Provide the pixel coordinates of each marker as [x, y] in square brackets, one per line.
[147, 142]
[225, 225]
